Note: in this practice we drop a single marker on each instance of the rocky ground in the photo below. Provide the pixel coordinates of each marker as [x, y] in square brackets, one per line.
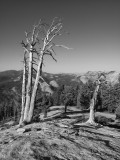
[59, 138]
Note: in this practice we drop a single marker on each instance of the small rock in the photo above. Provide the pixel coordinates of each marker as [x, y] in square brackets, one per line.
[11, 140]
[2, 128]
[23, 130]
[20, 130]
[62, 125]
[27, 134]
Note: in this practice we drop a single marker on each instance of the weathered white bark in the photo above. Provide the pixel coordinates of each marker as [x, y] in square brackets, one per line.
[29, 88]
[23, 93]
[91, 119]
[30, 114]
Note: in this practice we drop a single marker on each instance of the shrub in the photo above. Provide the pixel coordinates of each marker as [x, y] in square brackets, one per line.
[118, 112]
[103, 120]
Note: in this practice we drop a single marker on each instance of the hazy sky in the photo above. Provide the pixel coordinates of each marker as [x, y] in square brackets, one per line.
[94, 27]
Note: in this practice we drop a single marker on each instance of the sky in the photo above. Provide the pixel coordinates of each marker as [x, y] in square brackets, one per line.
[93, 27]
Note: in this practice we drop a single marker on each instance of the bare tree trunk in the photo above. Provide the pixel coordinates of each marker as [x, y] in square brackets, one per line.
[65, 108]
[91, 119]
[30, 115]
[45, 111]
[23, 93]
[29, 88]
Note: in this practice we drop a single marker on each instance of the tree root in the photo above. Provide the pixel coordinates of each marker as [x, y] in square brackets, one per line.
[88, 124]
[93, 123]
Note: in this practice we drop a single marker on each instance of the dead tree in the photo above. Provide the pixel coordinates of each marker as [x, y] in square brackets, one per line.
[93, 102]
[91, 120]
[23, 89]
[36, 49]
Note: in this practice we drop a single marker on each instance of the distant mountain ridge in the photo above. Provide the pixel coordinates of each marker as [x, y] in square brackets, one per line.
[112, 77]
[9, 76]
[13, 76]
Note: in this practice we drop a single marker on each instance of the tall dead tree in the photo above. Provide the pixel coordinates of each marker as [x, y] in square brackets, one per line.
[23, 88]
[91, 121]
[93, 102]
[36, 48]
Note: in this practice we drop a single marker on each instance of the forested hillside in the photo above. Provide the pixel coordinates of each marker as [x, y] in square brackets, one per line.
[73, 90]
